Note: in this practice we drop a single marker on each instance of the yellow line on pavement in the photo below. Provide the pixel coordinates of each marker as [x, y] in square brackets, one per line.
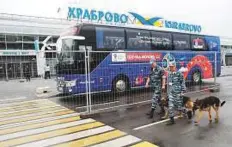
[24, 103]
[36, 117]
[31, 111]
[51, 134]
[32, 114]
[28, 106]
[144, 144]
[93, 139]
[39, 125]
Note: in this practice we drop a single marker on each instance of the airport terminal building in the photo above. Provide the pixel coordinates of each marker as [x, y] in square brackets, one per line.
[18, 50]
[226, 50]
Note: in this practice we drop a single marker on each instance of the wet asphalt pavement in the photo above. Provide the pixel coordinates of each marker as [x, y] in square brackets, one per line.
[182, 134]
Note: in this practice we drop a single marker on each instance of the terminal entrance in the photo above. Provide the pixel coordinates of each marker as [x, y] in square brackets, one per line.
[10, 71]
[13, 70]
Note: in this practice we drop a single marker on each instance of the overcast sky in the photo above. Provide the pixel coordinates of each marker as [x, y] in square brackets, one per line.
[213, 15]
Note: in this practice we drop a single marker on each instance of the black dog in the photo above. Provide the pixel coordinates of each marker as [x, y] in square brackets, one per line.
[205, 105]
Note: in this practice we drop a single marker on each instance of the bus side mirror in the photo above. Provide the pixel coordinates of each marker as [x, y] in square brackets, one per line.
[81, 47]
[59, 41]
[89, 48]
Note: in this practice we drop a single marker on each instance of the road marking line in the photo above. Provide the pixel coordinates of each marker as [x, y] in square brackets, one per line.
[123, 141]
[93, 139]
[27, 121]
[13, 99]
[30, 112]
[38, 125]
[27, 106]
[33, 114]
[144, 144]
[69, 137]
[29, 109]
[48, 132]
[152, 124]
[24, 102]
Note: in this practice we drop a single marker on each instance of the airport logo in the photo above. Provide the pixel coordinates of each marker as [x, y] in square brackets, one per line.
[161, 22]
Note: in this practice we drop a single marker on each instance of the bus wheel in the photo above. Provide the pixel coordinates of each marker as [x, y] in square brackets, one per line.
[120, 85]
[196, 77]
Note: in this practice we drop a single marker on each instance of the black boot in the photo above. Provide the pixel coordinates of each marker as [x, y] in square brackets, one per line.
[151, 113]
[171, 121]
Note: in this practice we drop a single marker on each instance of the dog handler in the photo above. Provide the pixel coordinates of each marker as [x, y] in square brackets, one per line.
[176, 87]
[157, 81]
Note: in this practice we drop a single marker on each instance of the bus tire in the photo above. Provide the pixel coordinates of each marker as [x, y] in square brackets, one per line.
[196, 77]
[120, 84]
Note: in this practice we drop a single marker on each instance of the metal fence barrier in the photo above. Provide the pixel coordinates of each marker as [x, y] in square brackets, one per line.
[92, 81]
[129, 70]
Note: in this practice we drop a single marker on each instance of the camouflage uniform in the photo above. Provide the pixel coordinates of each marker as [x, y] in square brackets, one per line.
[176, 85]
[156, 76]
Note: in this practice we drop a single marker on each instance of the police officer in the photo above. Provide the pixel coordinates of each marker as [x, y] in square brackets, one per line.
[157, 80]
[176, 87]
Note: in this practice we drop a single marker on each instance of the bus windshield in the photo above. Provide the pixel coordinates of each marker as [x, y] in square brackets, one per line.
[70, 58]
[69, 47]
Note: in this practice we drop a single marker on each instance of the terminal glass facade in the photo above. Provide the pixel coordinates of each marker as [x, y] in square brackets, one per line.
[18, 55]
[227, 55]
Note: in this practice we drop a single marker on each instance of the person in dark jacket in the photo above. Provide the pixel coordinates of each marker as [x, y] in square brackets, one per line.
[27, 74]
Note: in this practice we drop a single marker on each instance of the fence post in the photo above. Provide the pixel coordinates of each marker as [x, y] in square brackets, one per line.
[86, 83]
[167, 78]
[215, 67]
[89, 82]
[6, 67]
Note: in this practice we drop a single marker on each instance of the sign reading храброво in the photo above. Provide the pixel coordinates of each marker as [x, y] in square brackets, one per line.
[94, 15]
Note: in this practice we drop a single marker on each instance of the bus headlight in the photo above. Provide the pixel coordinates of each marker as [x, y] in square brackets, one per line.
[60, 78]
[70, 83]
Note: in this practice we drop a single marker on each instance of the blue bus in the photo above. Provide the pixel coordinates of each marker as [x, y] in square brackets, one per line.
[118, 57]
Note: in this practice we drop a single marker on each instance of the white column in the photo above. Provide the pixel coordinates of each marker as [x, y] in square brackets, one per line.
[41, 61]
[224, 56]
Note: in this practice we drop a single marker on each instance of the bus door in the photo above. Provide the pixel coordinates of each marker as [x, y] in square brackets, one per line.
[89, 64]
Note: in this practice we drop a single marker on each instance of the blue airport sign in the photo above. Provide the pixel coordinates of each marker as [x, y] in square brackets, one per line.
[112, 17]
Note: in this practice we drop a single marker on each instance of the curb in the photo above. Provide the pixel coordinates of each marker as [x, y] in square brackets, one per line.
[215, 89]
[227, 75]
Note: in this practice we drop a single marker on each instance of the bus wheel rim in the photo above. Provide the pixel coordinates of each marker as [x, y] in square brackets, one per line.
[121, 86]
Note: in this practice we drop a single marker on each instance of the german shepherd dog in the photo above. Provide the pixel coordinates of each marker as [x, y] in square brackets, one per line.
[205, 105]
[187, 103]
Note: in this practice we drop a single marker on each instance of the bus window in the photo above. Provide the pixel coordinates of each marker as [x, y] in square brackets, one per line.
[110, 38]
[198, 43]
[181, 41]
[138, 39]
[161, 41]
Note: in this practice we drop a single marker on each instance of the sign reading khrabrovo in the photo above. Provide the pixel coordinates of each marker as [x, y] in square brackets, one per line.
[130, 18]
[93, 15]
